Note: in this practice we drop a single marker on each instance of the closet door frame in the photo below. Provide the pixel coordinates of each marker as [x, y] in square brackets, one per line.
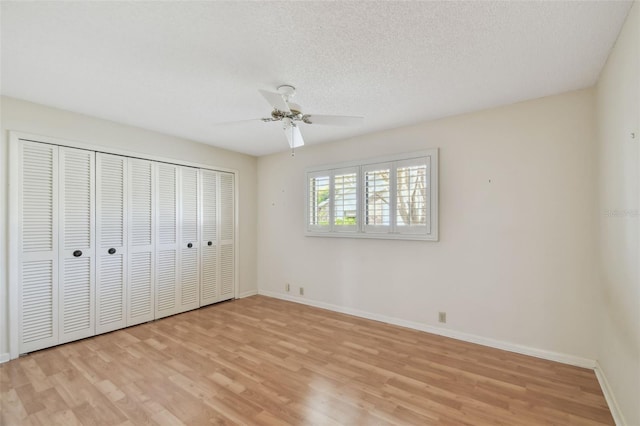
[13, 211]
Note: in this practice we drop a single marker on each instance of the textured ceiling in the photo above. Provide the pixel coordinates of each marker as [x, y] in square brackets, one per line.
[182, 67]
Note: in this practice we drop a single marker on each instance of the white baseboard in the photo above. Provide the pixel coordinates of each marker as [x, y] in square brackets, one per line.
[4, 357]
[618, 418]
[498, 344]
[247, 294]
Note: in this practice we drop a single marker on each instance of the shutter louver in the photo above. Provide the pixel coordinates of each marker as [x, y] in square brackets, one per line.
[166, 279]
[76, 295]
[167, 203]
[141, 288]
[226, 271]
[112, 234]
[412, 196]
[37, 197]
[77, 192]
[189, 256]
[226, 250]
[38, 246]
[140, 300]
[209, 290]
[111, 292]
[209, 205]
[38, 302]
[141, 203]
[112, 206]
[167, 261]
[189, 279]
[189, 205]
[226, 207]
[209, 275]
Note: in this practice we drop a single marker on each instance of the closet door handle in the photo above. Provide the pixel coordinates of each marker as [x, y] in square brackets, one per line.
[77, 253]
[209, 243]
[111, 251]
[189, 245]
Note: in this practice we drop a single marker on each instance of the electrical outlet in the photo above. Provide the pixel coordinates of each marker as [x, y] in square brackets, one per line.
[287, 287]
[301, 291]
[442, 317]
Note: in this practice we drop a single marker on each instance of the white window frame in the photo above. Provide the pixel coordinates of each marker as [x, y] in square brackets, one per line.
[429, 232]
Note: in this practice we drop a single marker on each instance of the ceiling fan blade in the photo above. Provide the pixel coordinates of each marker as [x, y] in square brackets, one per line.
[275, 100]
[292, 132]
[333, 120]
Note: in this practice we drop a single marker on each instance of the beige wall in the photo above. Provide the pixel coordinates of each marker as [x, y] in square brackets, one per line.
[38, 119]
[516, 260]
[618, 100]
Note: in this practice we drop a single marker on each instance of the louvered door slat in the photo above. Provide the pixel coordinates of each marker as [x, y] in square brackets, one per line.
[189, 279]
[167, 206]
[112, 248]
[38, 305]
[166, 282]
[38, 223]
[227, 218]
[39, 182]
[209, 290]
[77, 224]
[77, 296]
[166, 279]
[227, 232]
[227, 266]
[189, 282]
[140, 298]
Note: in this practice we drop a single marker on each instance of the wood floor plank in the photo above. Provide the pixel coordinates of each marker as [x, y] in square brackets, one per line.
[263, 361]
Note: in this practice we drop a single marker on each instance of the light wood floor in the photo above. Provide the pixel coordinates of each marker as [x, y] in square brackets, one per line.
[264, 361]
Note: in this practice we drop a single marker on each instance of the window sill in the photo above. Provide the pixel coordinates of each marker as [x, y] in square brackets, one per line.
[363, 235]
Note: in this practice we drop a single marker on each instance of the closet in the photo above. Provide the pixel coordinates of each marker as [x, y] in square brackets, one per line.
[107, 241]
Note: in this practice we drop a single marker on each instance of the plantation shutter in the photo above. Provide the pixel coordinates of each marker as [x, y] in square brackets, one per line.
[377, 197]
[412, 196]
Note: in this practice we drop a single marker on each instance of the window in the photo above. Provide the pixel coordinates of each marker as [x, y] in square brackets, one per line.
[394, 197]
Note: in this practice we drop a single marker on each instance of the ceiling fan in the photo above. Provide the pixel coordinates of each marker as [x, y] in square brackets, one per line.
[290, 114]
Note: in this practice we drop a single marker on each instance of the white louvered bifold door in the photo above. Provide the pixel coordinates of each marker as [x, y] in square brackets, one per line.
[38, 246]
[209, 278]
[76, 315]
[189, 282]
[226, 235]
[166, 288]
[111, 187]
[140, 296]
